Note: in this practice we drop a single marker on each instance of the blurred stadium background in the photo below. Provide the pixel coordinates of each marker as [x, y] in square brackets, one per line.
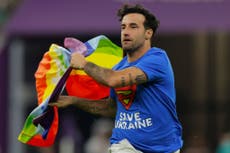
[195, 34]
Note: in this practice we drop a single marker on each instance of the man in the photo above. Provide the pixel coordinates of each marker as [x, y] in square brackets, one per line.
[142, 96]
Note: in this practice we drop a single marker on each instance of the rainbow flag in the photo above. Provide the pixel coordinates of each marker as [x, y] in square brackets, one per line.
[102, 52]
[41, 125]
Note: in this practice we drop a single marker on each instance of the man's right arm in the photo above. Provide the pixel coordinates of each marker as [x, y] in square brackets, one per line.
[104, 107]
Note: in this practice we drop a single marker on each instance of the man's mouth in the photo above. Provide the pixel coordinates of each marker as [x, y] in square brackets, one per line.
[126, 40]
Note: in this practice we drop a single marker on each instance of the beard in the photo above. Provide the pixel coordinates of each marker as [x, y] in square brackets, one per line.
[131, 48]
[128, 50]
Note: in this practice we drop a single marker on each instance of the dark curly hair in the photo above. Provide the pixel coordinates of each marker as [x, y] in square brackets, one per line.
[150, 20]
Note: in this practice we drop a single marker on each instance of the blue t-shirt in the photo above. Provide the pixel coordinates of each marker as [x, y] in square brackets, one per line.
[146, 114]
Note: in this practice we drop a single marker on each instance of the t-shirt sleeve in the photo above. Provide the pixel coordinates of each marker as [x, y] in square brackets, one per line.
[154, 66]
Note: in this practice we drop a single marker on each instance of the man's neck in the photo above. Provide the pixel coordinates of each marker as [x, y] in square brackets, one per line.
[135, 55]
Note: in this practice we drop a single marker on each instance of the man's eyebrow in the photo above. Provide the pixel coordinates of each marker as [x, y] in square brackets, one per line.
[133, 23]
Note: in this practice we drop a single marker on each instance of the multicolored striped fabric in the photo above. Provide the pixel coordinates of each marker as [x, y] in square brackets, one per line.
[50, 70]
[41, 125]
[106, 54]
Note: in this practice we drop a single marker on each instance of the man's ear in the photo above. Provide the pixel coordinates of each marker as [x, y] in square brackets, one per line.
[148, 34]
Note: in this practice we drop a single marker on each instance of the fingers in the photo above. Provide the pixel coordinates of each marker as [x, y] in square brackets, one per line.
[53, 104]
[76, 67]
[62, 102]
[58, 105]
[77, 61]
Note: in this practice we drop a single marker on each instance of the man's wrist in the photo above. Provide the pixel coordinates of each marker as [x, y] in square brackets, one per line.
[73, 100]
[85, 65]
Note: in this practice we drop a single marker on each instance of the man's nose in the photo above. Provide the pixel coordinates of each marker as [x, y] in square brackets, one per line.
[125, 32]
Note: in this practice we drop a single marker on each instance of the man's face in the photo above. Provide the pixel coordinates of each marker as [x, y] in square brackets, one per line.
[132, 32]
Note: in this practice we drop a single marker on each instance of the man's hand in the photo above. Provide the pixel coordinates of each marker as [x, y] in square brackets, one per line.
[105, 107]
[77, 61]
[63, 102]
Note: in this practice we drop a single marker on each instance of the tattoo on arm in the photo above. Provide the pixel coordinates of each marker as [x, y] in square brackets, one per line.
[109, 109]
[98, 73]
[103, 76]
[105, 107]
[140, 79]
[123, 81]
[130, 79]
